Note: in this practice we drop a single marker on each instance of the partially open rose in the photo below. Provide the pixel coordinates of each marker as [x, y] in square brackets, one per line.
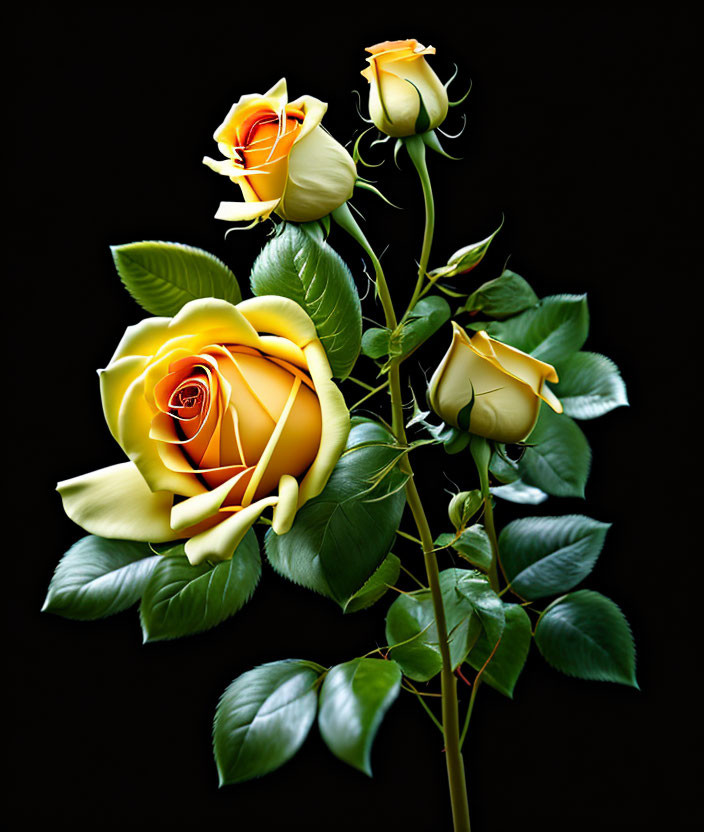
[405, 95]
[223, 410]
[489, 388]
[282, 158]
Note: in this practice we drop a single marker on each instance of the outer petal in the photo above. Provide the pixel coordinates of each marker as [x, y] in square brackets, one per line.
[276, 98]
[279, 316]
[241, 211]
[114, 383]
[285, 509]
[220, 542]
[335, 422]
[321, 176]
[116, 502]
[313, 110]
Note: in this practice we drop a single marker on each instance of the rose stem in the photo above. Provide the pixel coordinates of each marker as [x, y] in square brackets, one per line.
[416, 150]
[450, 710]
[481, 453]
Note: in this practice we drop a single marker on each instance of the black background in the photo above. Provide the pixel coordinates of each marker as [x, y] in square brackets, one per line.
[579, 132]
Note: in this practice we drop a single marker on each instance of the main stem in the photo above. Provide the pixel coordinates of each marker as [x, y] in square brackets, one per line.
[450, 710]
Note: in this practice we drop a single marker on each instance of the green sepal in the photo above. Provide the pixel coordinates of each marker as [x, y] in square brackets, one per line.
[423, 119]
[162, 277]
[465, 412]
[431, 140]
[354, 698]
[263, 718]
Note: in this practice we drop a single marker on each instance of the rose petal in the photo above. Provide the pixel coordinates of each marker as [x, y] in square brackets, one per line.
[116, 502]
[219, 543]
[335, 422]
[279, 316]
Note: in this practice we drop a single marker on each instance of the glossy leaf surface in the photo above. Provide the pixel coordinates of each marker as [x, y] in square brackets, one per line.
[263, 718]
[300, 265]
[98, 577]
[353, 700]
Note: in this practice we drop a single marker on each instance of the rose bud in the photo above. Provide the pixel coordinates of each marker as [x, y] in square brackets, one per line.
[282, 158]
[463, 507]
[219, 422]
[490, 389]
[405, 95]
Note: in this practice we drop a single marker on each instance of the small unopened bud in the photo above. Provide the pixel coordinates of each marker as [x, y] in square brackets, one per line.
[463, 507]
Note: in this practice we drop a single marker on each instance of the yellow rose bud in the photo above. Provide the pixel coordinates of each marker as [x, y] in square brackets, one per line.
[219, 421]
[399, 79]
[282, 158]
[490, 389]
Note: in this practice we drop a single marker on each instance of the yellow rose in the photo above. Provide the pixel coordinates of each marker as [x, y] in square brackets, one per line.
[399, 78]
[503, 385]
[219, 421]
[282, 158]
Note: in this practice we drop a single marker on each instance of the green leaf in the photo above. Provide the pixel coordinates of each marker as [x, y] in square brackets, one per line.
[546, 555]
[385, 576]
[466, 258]
[585, 634]
[263, 718]
[503, 467]
[304, 268]
[353, 700]
[98, 577]
[162, 277]
[424, 320]
[475, 589]
[590, 385]
[550, 331]
[558, 458]
[502, 297]
[375, 342]
[181, 599]
[340, 537]
[426, 317]
[474, 545]
[411, 625]
[506, 664]
[470, 606]
[519, 492]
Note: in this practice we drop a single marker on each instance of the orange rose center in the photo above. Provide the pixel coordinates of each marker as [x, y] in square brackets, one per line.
[264, 142]
[233, 413]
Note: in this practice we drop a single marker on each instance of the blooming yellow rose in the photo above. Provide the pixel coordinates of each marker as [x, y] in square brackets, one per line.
[219, 421]
[399, 77]
[282, 158]
[503, 385]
